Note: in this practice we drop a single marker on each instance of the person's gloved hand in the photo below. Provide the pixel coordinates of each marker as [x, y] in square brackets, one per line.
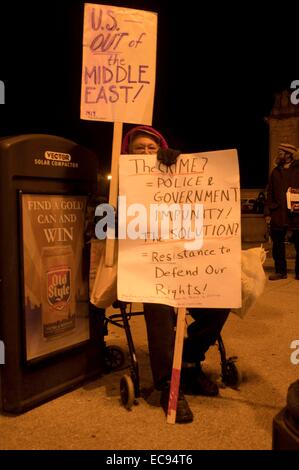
[168, 156]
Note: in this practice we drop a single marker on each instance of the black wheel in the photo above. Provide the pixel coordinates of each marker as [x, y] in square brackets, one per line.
[114, 357]
[231, 376]
[127, 392]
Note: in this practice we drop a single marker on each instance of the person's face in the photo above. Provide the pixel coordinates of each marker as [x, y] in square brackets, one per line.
[144, 145]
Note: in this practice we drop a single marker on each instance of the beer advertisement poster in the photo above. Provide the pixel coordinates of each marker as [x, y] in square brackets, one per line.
[55, 282]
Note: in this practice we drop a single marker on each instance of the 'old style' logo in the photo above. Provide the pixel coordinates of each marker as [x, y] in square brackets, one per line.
[59, 287]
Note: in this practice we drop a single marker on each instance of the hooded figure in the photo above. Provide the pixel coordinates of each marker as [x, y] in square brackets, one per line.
[285, 175]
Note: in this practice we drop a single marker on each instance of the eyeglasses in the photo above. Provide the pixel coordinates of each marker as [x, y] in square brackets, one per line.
[145, 149]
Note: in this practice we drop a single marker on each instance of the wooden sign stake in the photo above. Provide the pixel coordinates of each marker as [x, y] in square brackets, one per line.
[176, 366]
[113, 190]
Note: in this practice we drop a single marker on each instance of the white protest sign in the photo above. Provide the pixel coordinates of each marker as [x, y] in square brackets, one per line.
[119, 64]
[204, 271]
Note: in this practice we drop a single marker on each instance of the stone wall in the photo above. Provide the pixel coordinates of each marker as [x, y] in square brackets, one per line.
[283, 124]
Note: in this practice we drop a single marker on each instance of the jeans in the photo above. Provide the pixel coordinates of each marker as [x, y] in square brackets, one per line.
[278, 249]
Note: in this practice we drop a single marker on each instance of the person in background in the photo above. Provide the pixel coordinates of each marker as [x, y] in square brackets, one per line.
[281, 219]
[260, 203]
[161, 319]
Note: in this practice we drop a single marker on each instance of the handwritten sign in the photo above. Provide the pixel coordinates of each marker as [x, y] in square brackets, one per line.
[174, 268]
[119, 63]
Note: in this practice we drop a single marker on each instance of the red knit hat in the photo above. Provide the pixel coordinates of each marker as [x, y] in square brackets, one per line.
[142, 130]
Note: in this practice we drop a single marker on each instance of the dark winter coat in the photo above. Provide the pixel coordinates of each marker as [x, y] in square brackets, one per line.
[276, 203]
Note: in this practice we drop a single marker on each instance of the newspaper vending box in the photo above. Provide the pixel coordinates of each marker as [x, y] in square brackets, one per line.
[50, 338]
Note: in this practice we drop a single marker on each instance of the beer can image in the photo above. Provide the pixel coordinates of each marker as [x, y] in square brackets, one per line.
[58, 290]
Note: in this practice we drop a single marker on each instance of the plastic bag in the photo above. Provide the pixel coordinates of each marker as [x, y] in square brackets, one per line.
[253, 278]
[102, 278]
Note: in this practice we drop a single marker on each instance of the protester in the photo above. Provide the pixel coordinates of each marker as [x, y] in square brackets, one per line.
[285, 175]
[161, 319]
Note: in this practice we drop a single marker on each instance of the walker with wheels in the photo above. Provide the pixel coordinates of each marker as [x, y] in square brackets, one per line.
[114, 358]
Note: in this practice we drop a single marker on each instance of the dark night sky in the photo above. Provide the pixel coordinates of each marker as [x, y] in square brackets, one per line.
[217, 72]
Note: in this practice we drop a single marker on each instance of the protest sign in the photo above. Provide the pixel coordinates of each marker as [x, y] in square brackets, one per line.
[119, 64]
[196, 262]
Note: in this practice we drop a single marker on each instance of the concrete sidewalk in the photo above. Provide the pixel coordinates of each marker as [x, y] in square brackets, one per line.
[92, 417]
